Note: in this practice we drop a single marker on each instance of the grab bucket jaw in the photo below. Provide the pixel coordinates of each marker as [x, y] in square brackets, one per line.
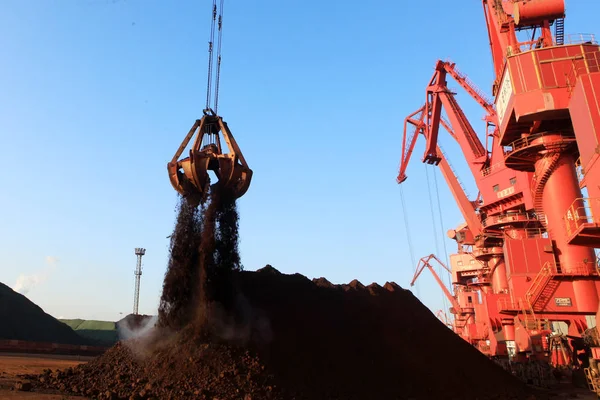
[189, 176]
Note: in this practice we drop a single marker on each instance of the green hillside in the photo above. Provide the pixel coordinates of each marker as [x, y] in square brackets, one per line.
[101, 332]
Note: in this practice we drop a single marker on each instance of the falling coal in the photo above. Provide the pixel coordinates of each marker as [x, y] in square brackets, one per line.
[204, 257]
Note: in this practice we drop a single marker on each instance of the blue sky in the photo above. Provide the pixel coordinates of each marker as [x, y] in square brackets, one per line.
[98, 94]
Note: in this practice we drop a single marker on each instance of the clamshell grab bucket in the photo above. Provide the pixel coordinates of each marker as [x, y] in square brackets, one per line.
[189, 176]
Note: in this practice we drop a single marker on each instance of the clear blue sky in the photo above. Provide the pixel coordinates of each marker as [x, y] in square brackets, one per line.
[96, 96]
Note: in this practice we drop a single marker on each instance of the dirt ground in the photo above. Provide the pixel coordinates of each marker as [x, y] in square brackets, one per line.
[567, 391]
[13, 365]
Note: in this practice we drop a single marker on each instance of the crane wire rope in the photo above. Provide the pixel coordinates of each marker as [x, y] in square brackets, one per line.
[433, 225]
[435, 234]
[439, 204]
[211, 40]
[220, 38]
[408, 239]
[215, 25]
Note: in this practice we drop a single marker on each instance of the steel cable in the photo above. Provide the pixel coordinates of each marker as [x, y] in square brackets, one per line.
[408, 238]
[435, 234]
[210, 54]
[220, 36]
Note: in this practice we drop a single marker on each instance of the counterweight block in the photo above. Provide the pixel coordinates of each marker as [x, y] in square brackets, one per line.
[190, 176]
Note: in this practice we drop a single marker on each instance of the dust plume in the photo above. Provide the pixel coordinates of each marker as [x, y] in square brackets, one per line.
[128, 331]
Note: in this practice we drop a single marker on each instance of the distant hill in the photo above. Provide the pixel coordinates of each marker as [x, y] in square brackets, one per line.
[102, 332]
[107, 333]
[21, 319]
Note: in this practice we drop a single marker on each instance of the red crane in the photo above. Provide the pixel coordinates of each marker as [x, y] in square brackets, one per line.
[533, 96]
[463, 301]
[531, 240]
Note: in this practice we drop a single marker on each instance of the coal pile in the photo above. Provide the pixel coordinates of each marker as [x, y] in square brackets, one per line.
[21, 319]
[224, 333]
[180, 369]
[302, 339]
[365, 342]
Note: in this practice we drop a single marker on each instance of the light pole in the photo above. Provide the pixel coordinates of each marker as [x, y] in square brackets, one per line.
[139, 252]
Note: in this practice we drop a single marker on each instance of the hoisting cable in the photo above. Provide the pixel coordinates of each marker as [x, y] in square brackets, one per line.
[211, 41]
[437, 192]
[218, 79]
[435, 235]
[433, 225]
[408, 238]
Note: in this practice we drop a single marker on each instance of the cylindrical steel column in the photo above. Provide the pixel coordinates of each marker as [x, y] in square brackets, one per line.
[508, 326]
[499, 278]
[560, 191]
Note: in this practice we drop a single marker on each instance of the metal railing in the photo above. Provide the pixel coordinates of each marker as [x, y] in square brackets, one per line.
[522, 142]
[462, 186]
[492, 168]
[506, 218]
[570, 39]
[530, 321]
[578, 269]
[528, 140]
[505, 304]
[540, 281]
[591, 268]
[471, 84]
[528, 233]
[581, 212]
[523, 308]
[580, 38]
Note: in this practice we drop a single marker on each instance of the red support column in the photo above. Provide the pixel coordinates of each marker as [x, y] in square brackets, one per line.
[560, 191]
[499, 279]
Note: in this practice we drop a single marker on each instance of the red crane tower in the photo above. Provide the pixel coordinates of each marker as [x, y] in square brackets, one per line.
[528, 242]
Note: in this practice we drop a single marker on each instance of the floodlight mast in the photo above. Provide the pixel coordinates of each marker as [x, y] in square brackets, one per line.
[139, 252]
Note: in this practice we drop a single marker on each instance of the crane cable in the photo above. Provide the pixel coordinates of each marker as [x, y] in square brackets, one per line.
[433, 225]
[216, 24]
[218, 79]
[408, 238]
[437, 192]
[435, 234]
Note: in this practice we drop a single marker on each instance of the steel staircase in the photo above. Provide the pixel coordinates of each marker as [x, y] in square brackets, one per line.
[542, 288]
[559, 31]
[592, 379]
[540, 183]
[529, 320]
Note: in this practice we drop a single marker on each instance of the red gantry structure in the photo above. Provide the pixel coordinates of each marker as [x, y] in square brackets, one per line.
[526, 249]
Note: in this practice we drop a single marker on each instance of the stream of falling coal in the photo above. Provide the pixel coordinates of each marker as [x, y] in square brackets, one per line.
[204, 257]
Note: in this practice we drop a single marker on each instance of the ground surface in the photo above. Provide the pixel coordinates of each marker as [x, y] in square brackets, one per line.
[13, 365]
